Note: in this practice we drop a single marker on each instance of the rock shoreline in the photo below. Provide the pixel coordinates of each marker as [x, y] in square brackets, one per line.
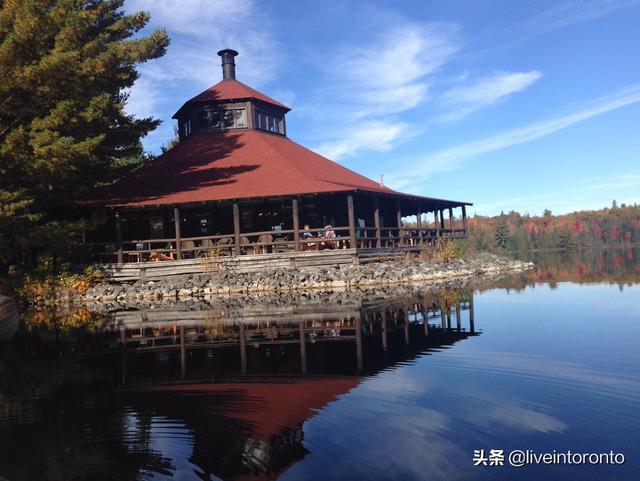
[373, 275]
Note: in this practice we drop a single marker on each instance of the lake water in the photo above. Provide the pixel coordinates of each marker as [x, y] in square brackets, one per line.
[405, 385]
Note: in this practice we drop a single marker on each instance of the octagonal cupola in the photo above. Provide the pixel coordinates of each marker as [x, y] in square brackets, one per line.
[230, 105]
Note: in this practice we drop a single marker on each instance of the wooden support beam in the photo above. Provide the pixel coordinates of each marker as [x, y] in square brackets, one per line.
[376, 222]
[472, 327]
[176, 219]
[399, 222]
[450, 218]
[441, 218]
[458, 317]
[236, 227]
[119, 238]
[419, 224]
[296, 224]
[465, 222]
[352, 222]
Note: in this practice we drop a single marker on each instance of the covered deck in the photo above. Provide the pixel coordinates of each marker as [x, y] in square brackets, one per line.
[359, 222]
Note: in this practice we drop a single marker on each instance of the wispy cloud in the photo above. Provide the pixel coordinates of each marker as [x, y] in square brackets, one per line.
[381, 76]
[462, 100]
[453, 157]
[198, 29]
[572, 12]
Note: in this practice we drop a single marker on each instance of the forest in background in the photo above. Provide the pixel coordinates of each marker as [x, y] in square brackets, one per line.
[612, 226]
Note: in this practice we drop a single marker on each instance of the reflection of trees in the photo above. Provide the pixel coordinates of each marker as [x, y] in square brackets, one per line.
[615, 266]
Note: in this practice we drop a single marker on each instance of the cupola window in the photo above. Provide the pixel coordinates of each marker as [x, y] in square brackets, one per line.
[223, 118]
[269, 122]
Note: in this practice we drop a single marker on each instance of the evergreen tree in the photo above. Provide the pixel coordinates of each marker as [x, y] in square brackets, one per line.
[65, 67]
[502, 233]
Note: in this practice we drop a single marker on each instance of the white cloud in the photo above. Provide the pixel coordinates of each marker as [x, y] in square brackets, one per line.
[465, 99]
[381, 76]
[572, 12]
[198, 29]
[374, 135]
[453, 157]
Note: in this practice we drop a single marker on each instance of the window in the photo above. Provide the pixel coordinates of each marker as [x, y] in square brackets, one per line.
[187, 128]
[223, 119]
[270, 122]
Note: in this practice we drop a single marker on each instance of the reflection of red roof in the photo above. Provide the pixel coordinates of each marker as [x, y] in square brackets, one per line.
[232, 90]
[211, 166]
[271, 406]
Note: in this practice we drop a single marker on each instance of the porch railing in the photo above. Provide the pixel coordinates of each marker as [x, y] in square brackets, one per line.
[262, 242]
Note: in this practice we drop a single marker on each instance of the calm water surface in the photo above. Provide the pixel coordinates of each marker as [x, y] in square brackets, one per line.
[383, 386]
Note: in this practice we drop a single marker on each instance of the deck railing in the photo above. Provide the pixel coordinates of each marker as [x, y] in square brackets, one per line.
[262, 242]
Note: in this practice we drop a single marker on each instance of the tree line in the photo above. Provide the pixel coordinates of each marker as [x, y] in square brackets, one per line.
[513, 231]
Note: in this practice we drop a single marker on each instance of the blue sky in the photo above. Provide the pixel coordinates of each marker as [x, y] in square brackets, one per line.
[510, 105]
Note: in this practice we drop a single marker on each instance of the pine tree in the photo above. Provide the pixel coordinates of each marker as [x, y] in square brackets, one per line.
[502, 233]
[65, 67]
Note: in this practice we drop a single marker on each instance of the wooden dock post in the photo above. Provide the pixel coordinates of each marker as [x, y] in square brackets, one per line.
[352, 222]
[458, 317]
[119, 238]
[296, 224]
[236, 228]
[465, 222]
[451, 219]
[176, 218]
[376, 222]
[399, 222]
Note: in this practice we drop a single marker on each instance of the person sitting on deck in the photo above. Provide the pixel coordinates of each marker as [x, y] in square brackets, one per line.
[329, 233]
[307, 234]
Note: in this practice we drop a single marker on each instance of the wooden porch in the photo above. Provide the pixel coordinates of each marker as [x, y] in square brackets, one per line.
[301, 233]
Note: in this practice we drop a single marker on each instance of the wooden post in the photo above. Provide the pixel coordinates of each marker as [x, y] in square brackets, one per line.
[458, 320]
[443, 315]
[296, 224]
[303, 349]
[236, 228]
[352, 222]
[376, 222]
[399, 222]
[450, 218]
[419, 224]
[465, 222]
[441, 218]
[176, 218]
[119, 238]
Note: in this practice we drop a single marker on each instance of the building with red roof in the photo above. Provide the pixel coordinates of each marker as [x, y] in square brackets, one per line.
[235, 183]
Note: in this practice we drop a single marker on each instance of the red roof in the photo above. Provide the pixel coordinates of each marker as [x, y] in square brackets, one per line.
[232, 90]
[210, 166]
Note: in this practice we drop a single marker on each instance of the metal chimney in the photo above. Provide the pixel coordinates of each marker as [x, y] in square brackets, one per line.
[228, 63]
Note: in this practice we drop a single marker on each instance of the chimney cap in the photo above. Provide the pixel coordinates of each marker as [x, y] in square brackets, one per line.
[227, 52]
[228, 63]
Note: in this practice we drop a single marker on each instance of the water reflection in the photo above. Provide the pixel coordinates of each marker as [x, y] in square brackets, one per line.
[215, 390]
